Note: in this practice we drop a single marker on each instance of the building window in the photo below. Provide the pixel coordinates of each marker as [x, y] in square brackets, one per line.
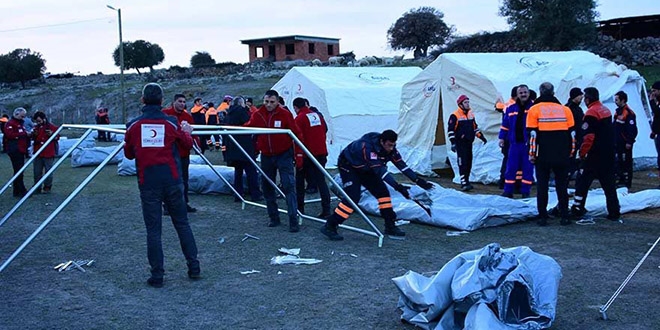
[290, 49]
[311, 48]
[331, 49]
[259, 52]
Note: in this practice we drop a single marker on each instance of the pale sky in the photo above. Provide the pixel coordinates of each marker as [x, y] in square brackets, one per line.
[79, 36]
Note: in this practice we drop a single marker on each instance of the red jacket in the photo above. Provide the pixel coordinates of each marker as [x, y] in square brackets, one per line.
[17, 138]
[280, 118]
[312, 129]
[153, 140]
[40, 137]
[180, 117]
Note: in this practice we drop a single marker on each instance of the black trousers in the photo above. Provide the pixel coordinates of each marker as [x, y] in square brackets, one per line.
[560, 170]
[185, 165]
[624, 166]
[605, 175]
[464, 153]
[17, 162]
[353, 180]
[316, 179]
[505, 159]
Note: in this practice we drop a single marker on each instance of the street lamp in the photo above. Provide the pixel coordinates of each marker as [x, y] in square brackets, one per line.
[121, 65]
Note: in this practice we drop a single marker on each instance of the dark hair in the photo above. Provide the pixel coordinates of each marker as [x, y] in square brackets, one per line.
[299, 102]
[272, 92]
[532, 95]
[197, 99]
[249, 99]
[547, 89]
[211, 105]
[177, 96]
[622, 96]
[514, 91]
[152, 94]
[389, 135]
[592, 94]
[281, 100]
[39, 114]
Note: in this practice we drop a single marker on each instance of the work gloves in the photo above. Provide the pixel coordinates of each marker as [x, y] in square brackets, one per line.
[483, 138]
[424, 184]
[403, 190]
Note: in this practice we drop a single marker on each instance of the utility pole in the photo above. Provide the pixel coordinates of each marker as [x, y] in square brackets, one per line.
[121, 66]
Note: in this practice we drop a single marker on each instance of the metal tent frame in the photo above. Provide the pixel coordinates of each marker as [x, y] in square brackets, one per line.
[201, 130]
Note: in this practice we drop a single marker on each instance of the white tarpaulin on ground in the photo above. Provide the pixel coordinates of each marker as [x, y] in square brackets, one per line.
[94, 156]
[354, 101]
[66, 144]
[486, 289]
[428, 100]
[446, 207]
[127, 166]
[202, 179]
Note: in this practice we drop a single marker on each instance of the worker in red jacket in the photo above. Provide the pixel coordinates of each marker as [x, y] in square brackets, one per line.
[154, 140]
[44, 162]
[277, 156]
[18, 141]
[178, 110]
[313, 130]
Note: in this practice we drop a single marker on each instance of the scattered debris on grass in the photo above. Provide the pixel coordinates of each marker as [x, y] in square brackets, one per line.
[71, 264]
[248, 236]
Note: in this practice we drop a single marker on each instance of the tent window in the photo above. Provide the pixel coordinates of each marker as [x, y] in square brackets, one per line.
[259, 52]
[311, 48]
[331, 49]
[290, 49]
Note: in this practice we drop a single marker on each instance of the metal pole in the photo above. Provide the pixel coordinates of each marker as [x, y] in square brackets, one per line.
[121, 70]
[55, 166]
[64, 204]
[340, 189]
[603, 309]
[34, 156]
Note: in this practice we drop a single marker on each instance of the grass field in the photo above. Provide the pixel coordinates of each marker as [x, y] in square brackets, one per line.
[104, 223]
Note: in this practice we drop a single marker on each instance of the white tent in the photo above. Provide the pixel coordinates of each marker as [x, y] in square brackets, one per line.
[429, 99]
[354, 101]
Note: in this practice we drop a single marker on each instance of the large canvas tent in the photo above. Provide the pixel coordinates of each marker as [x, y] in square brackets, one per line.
[429, 98]
[354, 101]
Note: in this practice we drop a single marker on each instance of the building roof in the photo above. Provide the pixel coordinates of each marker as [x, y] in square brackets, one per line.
[290, 38]
[631, 27]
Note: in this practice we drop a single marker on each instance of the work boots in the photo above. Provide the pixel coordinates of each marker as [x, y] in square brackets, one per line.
[392, 230]
[330, 229]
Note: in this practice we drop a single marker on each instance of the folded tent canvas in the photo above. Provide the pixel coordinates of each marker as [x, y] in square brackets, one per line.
[428, 100]
[353, 101]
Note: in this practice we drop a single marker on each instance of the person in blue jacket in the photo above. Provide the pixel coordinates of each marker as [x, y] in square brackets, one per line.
[514, 131]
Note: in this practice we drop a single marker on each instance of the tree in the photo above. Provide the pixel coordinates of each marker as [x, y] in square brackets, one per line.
[140, 54]
[201, 59]
[552, 24]
[21, 65]
[418, 30]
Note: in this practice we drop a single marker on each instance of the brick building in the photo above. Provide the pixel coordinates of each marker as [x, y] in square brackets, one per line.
[631, 27]
[289, 48]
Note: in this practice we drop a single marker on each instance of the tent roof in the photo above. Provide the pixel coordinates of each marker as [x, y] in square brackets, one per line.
[348, 78]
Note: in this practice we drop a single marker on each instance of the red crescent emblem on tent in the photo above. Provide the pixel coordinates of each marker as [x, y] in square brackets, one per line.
[153, 133]
[299, 87]
[453, 81]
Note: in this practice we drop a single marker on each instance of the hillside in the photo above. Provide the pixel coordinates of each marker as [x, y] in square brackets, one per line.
[74, 100]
